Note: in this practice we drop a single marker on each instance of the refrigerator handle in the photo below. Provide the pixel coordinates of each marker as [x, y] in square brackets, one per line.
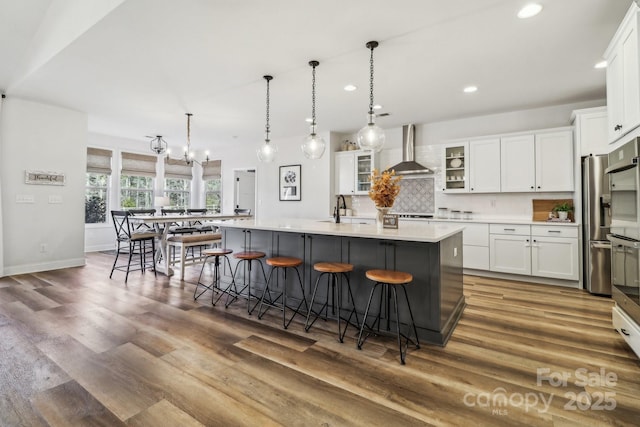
[601, 245]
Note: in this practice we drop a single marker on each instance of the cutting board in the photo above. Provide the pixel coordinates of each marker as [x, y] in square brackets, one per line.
[542, 207]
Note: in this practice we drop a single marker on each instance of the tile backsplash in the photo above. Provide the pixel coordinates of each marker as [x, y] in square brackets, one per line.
[416, 195]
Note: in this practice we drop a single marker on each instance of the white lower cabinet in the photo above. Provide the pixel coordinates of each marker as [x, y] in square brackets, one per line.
[510, 249]
[475, 241]
[554, 252]
[543, 251]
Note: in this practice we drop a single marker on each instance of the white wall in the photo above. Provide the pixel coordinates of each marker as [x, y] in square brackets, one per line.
[37, 136]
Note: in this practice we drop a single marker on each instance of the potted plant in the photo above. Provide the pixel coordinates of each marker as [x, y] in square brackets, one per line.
[563, 209]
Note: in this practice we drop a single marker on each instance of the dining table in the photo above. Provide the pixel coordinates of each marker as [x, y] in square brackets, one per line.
[162, 262]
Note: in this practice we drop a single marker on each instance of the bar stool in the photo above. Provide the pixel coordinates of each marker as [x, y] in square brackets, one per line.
[247, 258]
[333, 269]
[389, 280]
[280, 302]
[216, 253]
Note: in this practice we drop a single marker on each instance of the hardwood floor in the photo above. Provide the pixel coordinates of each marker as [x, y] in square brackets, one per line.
[77, 348]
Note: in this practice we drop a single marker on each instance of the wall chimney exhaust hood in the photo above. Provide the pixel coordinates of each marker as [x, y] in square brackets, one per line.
[408, 166]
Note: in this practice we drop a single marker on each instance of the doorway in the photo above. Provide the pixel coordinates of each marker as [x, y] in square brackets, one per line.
[244, 193]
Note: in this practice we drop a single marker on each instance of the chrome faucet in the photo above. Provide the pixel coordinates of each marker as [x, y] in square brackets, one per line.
[336, 212]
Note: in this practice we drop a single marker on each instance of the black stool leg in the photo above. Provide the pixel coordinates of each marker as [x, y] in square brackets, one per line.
[304, 297]
[395, 305]
[308, 325]
[364, 320]
[413, 323]
[195, 292]
[353, 310]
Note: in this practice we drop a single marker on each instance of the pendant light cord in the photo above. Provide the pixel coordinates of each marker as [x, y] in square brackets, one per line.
[268, 78]
[371, 80]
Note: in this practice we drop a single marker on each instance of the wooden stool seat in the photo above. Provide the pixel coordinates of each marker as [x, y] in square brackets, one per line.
[389, 281]
[284, 261]
[249, 255]
[216, 252]
[272, 297]
[332, 267]
[389, 276]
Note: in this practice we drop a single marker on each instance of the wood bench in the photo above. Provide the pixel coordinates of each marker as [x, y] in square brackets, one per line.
[185, 241]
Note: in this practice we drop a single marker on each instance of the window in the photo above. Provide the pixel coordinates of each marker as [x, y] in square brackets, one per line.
[96, 196]
[97, 185]
[211, 177]
[179, 192]
[136, 192]
[212, 199]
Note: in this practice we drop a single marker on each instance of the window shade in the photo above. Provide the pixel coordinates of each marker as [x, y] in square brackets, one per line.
[177, 169]
[98, 160]
[138, 164]
[212, 170]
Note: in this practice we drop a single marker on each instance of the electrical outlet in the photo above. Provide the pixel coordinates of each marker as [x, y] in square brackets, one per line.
[43, 248]
[455, 252]
[493, 203]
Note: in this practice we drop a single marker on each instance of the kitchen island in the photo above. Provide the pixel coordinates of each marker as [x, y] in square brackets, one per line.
[431, 253]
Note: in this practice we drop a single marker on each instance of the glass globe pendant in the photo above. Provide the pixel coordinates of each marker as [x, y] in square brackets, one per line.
[313, 146]
[267, 151]
[371, 137]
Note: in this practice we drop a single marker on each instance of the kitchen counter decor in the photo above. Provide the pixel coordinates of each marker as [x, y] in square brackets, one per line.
[385, 187]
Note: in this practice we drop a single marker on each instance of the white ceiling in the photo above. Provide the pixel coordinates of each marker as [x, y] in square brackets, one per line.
[136, 66]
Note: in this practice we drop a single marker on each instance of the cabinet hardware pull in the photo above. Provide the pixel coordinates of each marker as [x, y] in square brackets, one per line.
[624, 332]
[618, 127]
[509, 229]
[554, 231]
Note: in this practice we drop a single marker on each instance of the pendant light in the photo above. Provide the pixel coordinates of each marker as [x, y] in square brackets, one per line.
[267, 151]
[313, 145]
[188, 155]
[371, 137]
[158, 145]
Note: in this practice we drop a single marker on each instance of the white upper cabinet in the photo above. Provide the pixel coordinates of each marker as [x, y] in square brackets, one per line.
[517, 167]
[540, 162]
[484, 165]
[591, 135]
[352, 171]
[554, 161]
[623, 77]
[344, 170]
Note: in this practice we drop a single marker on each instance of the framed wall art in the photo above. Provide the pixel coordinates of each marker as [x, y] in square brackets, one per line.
[290, 188]
[44, 178]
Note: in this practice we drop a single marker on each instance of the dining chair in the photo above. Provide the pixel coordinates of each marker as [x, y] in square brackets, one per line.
[131, 241]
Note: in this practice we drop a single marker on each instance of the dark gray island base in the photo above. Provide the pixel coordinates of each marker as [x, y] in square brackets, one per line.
[431, 253]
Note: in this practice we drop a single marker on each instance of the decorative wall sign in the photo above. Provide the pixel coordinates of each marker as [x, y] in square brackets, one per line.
[290, 182]
[390, 221]
[44, 178]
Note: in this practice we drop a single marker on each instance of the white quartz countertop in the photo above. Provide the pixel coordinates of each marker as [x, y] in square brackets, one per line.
[413, 232]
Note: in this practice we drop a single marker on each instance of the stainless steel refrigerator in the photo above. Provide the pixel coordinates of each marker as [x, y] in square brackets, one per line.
[596, 221]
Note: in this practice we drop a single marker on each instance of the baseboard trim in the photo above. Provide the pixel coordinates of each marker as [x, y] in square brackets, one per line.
[44, 266]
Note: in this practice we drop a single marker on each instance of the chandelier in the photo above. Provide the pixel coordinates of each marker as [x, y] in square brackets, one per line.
[189, 156]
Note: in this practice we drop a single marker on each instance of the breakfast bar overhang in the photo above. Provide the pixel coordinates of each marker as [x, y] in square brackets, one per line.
[431, 253]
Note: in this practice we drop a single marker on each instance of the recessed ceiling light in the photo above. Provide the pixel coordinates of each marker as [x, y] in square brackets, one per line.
[532, 9]
[470, 89]
[350, 88]
[377, 107]
[601, 64]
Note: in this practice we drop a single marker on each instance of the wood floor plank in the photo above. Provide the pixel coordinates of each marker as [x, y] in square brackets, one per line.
[70, 404]
[78, 348]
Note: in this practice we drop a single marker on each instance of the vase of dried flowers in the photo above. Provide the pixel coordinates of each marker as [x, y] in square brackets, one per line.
[385, 187]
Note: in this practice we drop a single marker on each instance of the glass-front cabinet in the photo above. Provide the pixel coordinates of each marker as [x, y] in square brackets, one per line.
[364, 168]
[455, 167]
